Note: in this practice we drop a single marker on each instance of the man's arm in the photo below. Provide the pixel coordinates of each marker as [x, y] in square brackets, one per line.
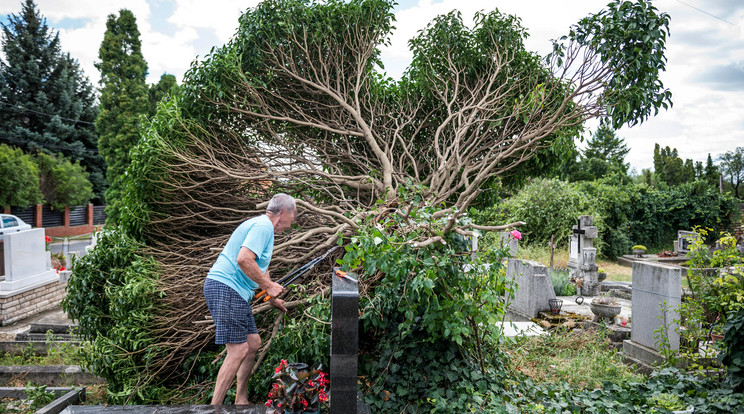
[247, 263]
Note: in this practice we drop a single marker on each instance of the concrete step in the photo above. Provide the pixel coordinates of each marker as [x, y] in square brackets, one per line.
[51, 375]
[42, 337]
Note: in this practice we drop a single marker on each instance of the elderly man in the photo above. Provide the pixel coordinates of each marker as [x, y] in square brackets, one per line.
[239, 270]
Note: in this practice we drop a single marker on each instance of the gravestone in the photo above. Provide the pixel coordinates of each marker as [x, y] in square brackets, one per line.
[344, 344]
[507, 240]
[26, 261]
[582, 256]
[657, 295]
[534, 288]
[684, 241]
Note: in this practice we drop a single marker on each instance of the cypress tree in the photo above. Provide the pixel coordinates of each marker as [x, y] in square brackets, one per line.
[46, 102]
[711, 172]
[124, 100]
[166, 86]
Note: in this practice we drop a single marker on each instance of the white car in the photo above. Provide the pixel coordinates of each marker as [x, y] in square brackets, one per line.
[11, 224]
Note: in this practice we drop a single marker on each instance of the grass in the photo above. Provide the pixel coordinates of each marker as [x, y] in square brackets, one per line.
[615, 272]
[584, 359]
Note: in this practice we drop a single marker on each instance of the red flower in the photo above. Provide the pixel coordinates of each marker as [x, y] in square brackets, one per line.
[47, 239]
[62, 268]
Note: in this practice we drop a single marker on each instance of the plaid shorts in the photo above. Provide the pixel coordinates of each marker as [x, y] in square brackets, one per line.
[231, 313]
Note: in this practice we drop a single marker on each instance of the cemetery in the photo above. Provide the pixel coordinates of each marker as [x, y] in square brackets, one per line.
[448, 246]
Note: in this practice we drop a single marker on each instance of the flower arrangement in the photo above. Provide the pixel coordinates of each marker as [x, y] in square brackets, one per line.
[297, 390]
[47, 241]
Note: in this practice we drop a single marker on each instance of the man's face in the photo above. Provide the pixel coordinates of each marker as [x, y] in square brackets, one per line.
[286, 218]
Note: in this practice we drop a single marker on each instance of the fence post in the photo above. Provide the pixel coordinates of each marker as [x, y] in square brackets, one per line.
[37, 217]
[90, 214]
[66, 217]
[6, 210]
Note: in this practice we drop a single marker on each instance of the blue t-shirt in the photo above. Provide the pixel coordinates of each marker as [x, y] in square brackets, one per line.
[256, 234]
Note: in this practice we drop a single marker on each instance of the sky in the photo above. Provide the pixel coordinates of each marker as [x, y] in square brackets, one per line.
[705, 51]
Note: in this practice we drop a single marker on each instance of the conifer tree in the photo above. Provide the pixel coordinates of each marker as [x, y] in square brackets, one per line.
[605, 145]
[46, 102]
[124, 100]
[167, 85]
[711, 172]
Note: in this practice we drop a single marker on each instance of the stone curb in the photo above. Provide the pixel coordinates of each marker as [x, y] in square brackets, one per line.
[71, 397]
[65, 397]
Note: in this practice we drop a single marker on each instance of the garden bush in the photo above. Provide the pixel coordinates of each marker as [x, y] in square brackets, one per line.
[625, 214]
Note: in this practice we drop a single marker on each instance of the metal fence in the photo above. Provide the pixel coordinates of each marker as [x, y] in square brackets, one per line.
[26, 214]
[99, 214]
[78, 216]
[51, 217]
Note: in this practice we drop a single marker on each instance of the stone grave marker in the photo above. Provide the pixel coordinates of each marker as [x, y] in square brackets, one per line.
[582, 256]
[657, 295]
[508, 240]
[683, 241]
[26, 260]
[534, 288]
[344, 344]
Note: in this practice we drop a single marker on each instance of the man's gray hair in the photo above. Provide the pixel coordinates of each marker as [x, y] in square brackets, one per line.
[281, 202]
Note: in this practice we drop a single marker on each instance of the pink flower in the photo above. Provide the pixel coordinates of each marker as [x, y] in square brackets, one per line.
[516, 234]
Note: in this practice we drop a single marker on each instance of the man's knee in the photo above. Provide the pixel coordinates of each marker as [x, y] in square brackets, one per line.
[238, 351]
[254, 343]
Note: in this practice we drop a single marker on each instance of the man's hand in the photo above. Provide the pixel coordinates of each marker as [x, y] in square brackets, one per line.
[274, 289]
[278, 303]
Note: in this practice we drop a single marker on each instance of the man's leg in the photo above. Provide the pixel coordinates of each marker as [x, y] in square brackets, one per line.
[236, 353]
[244, 371]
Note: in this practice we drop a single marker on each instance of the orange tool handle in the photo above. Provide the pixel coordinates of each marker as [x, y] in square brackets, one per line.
[261, 293]
[340, 273]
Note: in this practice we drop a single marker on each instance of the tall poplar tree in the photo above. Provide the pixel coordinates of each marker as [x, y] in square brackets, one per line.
[124, 99]
[46, 102]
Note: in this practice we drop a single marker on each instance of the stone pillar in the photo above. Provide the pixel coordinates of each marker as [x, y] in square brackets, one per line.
[90, 214]
[344, 344]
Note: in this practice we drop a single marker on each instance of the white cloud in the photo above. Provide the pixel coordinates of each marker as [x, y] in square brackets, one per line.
[704, 120]
[218, 15]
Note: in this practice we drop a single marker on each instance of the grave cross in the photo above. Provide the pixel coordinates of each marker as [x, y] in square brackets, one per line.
[577, 231]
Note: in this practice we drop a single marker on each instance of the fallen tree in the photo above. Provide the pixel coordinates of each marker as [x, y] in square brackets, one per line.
[295, 103]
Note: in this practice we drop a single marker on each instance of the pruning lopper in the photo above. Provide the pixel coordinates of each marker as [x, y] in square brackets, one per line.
[288, 279]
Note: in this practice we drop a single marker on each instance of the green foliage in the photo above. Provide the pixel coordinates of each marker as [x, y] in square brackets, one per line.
[733, 358]
[124, 99]
[624, 34]
[166, 86]
[732, 168]
[62, 182]
[671, 170]
[548, 206]
[666, 401]
[639, 247]
[434, 310]
[707, 396]
[113, 310]
[625, 213]
[561, 281]
[39, 395]
[48, 104]
[304, 338]
[20, 178]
